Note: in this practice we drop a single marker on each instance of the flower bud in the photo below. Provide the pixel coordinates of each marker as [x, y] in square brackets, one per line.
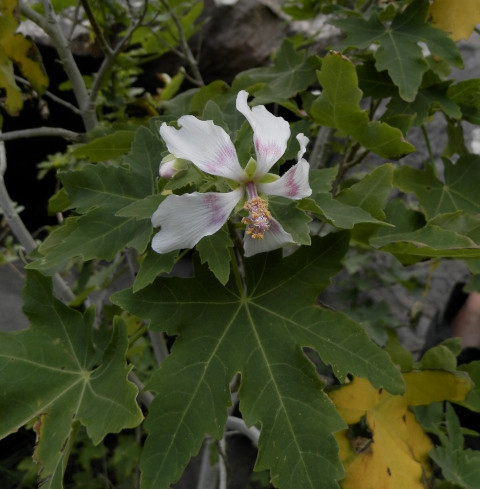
[172, 167]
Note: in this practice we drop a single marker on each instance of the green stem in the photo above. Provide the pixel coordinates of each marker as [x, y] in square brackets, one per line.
[429, 147]
[140, 332]
[236, 272]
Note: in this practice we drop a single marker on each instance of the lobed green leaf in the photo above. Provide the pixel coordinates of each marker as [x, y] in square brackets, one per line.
[259, 333]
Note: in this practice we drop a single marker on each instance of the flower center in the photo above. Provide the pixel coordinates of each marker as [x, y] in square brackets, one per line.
[258, 220]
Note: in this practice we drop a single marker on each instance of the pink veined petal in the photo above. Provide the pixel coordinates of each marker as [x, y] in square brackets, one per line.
[293, 184]
[274, 238]
[186, 219]
[270, 134]
[208, 146]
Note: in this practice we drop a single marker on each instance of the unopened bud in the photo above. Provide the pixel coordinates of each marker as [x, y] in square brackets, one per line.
[173, 167]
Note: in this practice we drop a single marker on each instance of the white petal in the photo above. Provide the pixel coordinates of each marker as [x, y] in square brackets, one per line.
[293, 184]
[208, 146]
[186, 219]
[303, 140]
[270, 133]
[274, 238]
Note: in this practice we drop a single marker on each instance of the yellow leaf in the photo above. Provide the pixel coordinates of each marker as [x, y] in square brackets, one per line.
[396, 455]
[457, 17]
[14, 100]
[15, 48]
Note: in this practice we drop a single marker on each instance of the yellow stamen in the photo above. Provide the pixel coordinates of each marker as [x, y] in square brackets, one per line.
[258, 220]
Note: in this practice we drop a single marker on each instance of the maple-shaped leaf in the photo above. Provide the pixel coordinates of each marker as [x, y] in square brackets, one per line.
[395, 454]
[53, 370]
[106, 147]
[399, 52]
[411, 238]
[258, 332]
[431, 97]
[293, 71]
[466, 94]
[100, 192]
[427, 101]
[360, 203]
[457, 18]
[339, 106]
[459, 466]
[17, 49]
[459, 191]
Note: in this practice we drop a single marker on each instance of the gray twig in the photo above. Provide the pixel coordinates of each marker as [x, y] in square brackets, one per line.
[104, 46]
[208, 476]
[51, 26]
[222, 464]
[52, 96]
[320, 146]
[234, 423]
[159, 346]
[145, 397]
[189, 57]
[110, 57]
[20, 231]
[39, 132]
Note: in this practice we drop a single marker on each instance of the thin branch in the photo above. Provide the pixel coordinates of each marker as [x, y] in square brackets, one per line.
[208, 476]
[222, 464]
[19, 230]
[52, 96]
[192, 63]
[51, 26]
[40, 132]
[146, 397]
[238, 424]
[168, 45]
[159, 346]
[109, 61]
[104, 46]
[11, 216]
[75, 22]
[319, 153]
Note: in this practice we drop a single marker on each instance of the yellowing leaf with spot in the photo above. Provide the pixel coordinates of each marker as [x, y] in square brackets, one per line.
[396, 456]
[458, 17]
[15, 48]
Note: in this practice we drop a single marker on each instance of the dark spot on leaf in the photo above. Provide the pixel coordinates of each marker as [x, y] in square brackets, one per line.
[380, 390]
[404, 418]
[74, 415]
[389, 471]
[62, 367]
[428, 188]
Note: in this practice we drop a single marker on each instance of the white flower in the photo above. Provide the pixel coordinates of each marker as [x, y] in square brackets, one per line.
[186, 219]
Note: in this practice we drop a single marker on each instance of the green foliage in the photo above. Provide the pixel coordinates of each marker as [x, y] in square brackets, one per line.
[250, 331]
[457, 192]
[255, 333]
[293, 71]
[215, 250]
[50, 371]
[458, 466]
[106, 148]
[99, 192]
[338, 107]
[399, 52]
